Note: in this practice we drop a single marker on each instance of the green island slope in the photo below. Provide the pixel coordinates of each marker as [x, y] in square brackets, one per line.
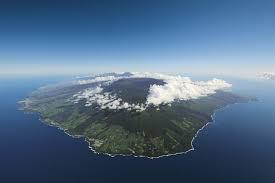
[156, 131]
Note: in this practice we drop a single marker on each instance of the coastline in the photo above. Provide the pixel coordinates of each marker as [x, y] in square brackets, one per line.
[90, 146]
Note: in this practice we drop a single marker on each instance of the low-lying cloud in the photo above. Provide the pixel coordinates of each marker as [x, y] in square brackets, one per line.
[175, 88]
[179, 88]
[105, 100]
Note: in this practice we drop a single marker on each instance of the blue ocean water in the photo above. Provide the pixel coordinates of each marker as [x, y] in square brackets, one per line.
[238, 147]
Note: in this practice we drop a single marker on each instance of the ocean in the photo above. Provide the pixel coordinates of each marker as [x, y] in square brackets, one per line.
[239, 146]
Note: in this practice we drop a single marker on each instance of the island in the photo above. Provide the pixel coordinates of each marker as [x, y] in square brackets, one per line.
[132, 114]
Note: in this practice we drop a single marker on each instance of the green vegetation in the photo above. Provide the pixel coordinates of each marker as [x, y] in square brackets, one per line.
[158, 131]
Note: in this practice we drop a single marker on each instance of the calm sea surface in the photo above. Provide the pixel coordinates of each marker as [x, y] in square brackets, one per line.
[238, 147]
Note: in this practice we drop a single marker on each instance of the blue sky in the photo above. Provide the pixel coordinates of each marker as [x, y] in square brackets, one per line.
[73, 37]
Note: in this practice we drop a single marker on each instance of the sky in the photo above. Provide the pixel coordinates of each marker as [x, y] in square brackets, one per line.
[235, 37]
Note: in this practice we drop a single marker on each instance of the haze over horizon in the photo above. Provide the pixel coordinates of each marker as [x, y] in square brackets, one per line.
[81, 37]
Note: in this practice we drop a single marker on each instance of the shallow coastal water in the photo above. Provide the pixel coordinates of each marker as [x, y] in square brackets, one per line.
[238, 147]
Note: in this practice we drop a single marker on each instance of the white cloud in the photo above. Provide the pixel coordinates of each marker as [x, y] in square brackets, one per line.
[104, 100]
[268, 75]
[175, 88]
[181, 88]
[99, 79]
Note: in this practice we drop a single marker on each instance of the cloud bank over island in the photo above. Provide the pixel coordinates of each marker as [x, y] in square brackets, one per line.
[105, 100]
[175, 88]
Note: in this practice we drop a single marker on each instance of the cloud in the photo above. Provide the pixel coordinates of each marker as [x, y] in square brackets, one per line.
[104, 100]
[99, 79]
[108, 78]
[268, 75]
[182, 88]
[175, 88]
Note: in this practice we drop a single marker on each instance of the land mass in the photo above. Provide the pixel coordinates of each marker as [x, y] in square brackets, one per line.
[152, 132]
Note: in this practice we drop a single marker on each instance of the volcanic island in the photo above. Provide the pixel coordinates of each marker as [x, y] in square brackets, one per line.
[139, 114]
